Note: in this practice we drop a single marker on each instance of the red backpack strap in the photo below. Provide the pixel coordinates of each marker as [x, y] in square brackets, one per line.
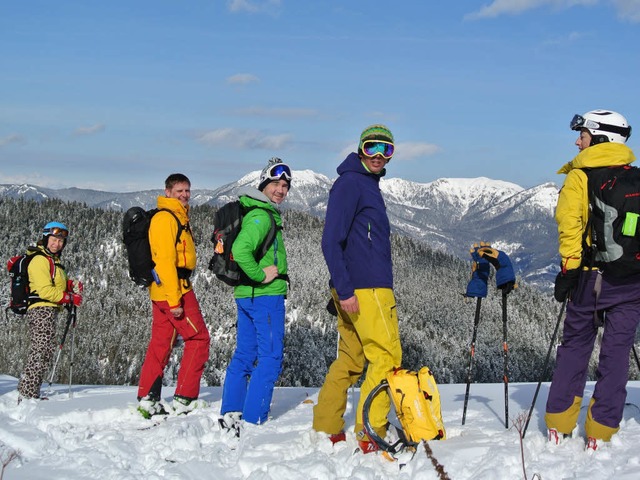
[52, 264]
[52, 268]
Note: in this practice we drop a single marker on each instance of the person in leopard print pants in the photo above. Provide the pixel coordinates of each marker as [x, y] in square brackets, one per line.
[50, 290]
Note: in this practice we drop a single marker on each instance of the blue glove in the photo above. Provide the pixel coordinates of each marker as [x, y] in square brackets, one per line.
[477, 286]
[505, 277]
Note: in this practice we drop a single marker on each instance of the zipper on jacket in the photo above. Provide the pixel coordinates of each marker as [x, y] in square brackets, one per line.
[184, 252]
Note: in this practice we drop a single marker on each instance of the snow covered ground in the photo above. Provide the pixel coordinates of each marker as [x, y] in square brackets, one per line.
[95, 435]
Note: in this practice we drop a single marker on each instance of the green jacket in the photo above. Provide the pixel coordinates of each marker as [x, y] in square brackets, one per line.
[255, 226]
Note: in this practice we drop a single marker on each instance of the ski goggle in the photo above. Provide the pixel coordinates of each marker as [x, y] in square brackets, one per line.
[578, 122]
[56, 232]
[371, 148]
[278, 171]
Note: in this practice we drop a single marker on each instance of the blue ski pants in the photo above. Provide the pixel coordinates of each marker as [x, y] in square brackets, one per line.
[257, 360]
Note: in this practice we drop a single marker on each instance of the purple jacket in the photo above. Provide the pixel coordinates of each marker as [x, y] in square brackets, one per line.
[356, 240]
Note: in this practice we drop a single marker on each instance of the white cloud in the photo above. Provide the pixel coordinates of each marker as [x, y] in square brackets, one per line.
[33, 177]
[244, 139]
[628, 10]
[276, 112]
[80, 131]
[516, 7]
[242, 79]
[566, 39]
[412, 150]
[13, 138]
[252, 6]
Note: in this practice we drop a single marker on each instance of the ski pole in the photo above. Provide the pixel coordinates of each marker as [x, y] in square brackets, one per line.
[505, 358]
[60, 347]
[546, 364]
[472, 352]
[73, 331]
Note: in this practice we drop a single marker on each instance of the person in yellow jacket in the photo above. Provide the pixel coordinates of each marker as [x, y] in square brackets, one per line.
[175, 308]
[594, 297]
[50, 290]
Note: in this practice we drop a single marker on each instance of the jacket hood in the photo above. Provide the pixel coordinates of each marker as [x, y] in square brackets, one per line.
[252, 197]
[254, 193]
[353, 164]
[600, 155]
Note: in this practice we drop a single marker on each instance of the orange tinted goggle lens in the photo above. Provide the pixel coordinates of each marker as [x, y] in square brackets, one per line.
[58, 232]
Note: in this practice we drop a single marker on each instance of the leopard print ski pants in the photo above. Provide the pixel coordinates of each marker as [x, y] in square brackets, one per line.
[42, 328]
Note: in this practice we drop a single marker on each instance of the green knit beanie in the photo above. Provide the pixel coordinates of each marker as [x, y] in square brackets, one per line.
[375, 132]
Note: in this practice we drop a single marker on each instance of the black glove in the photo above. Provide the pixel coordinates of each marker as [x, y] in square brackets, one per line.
[565, 283]
[331, 308]
[508, 287]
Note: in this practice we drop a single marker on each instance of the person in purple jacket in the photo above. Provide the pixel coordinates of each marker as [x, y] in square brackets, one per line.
[356, 245]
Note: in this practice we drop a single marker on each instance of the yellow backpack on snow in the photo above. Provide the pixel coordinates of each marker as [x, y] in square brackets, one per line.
[416, 399]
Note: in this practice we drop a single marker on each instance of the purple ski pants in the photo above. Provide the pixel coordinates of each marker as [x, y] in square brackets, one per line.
[618, 305]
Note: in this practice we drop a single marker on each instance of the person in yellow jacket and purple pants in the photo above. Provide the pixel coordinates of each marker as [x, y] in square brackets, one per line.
[356, 245]
[595, 297]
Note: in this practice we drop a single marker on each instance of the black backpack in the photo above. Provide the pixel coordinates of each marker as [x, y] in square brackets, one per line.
[135, 234]
[226, 226]
[614, 200]
[21, 296]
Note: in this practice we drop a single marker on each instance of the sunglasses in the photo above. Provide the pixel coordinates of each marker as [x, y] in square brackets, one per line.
[57, 232]
[371, 148]
[278, 171]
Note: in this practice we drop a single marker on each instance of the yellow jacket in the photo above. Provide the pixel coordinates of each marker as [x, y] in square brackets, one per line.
[40, 281]
[572, 210]
[169, 256]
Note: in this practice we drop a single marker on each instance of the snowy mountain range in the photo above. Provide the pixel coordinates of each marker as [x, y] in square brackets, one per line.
[448, 214]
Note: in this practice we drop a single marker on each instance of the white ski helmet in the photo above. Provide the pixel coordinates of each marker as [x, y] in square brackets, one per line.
[604, 126]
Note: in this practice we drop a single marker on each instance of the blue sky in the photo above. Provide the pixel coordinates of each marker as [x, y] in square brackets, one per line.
[116, 95]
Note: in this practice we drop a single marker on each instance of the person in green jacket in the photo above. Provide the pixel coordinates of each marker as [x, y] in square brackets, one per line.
[257, 360]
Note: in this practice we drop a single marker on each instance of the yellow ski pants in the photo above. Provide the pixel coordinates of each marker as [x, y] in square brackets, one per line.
[370, 335]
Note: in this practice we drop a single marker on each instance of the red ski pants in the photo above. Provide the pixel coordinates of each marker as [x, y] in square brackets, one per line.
[164, 332]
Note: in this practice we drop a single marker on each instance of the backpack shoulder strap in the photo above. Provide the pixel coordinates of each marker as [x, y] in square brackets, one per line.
[587, 251]
[52, 264]
[271, 234]
[181, 227]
